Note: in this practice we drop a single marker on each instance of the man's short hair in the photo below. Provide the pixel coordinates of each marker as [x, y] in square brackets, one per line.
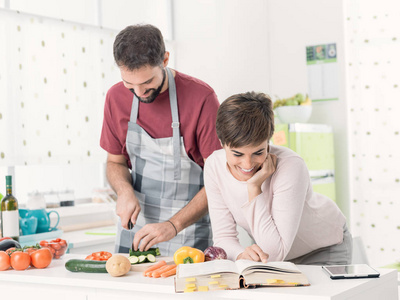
[139, 45]
[245, 119]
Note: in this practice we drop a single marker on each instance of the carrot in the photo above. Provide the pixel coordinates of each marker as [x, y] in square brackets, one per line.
[169, 272]
[154, 267]
[150, 274]
[157, 273]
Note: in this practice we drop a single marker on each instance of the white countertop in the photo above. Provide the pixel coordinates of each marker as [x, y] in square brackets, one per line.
[103, 286]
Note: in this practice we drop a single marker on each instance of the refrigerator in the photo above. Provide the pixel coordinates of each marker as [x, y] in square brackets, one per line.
[314, 143]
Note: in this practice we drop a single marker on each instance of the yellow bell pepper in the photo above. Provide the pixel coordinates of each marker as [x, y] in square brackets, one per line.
[188, 255]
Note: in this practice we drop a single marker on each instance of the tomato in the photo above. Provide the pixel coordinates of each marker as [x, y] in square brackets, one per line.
[9, 251]
[4, 261]
[20, 260]
[41, 258]
[101, 256]
[30, 250]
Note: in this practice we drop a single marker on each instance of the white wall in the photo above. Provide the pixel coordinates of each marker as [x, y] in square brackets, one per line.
[224, 43]
[293, 25]
[112, 14]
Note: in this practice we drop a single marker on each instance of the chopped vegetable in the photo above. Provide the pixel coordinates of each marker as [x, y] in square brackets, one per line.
[133, 259]
[100, 256]
[142, 258]
[188, 255]
[151, 258]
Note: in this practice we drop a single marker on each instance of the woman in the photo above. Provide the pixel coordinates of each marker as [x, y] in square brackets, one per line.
[267, 190]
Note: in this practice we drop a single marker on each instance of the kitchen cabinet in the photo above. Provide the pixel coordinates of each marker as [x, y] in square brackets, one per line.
[55, 282]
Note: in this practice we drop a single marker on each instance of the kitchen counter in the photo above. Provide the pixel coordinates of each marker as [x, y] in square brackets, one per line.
[55, 282]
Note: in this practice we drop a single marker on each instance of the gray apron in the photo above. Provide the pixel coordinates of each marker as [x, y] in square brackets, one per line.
[165, 179]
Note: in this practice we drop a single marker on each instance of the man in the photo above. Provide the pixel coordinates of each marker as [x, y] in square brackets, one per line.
[159, 123]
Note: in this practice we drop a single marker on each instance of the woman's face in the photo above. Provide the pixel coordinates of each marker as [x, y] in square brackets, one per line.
[244, 162]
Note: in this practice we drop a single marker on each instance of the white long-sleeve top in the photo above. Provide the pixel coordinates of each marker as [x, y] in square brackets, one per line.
[286, 220]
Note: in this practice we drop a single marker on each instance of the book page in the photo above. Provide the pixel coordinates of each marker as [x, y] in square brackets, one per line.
[277, 266]
[208, 267]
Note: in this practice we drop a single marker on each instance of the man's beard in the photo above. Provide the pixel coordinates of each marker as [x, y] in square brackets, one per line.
[154, 94]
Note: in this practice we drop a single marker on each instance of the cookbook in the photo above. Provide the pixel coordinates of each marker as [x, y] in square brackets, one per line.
[223, 274]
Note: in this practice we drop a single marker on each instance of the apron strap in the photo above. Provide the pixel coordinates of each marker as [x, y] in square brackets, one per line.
[134, 110]
[175, 125]
[176, 137]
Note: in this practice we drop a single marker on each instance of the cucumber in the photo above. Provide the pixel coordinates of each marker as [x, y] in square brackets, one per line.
[151, 258]
[133, 259]
[142, 258]
[154, 251]
[86, 266]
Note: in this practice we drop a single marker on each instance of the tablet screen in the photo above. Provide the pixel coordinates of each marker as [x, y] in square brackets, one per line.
[351, 271]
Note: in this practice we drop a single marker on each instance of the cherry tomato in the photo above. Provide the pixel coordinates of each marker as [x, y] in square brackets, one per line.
[4, 261]
[41, 258]
[43, 243]
[55, 246]
[20, 260]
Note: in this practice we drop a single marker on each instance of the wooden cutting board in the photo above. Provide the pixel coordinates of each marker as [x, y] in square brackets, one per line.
[142, 267]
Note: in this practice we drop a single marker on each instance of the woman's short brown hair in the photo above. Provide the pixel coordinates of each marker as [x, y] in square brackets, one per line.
[245, 119]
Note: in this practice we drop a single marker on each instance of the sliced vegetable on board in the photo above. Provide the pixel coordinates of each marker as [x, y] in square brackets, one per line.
[154, 251]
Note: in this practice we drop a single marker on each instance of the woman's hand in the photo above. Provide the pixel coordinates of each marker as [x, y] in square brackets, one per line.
[253, 253]
[255, 182]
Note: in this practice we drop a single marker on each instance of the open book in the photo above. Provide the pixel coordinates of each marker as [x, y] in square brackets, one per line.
[225, 274]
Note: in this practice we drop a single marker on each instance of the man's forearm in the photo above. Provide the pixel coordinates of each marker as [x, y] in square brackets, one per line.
[119, 177]
[192, 212]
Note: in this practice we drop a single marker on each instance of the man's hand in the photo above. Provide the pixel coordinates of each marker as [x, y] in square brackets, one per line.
[255, 182]
[152, 234]
[128, 208]
[253, 253]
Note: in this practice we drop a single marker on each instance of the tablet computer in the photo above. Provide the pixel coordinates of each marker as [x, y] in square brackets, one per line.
[351, 271]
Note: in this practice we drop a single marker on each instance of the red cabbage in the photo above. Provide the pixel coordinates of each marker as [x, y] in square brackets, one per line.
[212, 253]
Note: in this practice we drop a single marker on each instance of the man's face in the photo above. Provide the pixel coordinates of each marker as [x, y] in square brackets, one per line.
[146, 83]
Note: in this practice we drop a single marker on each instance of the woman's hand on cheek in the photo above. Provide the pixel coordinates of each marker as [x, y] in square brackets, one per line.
[267, 169]
[253, 253]
[255, 182]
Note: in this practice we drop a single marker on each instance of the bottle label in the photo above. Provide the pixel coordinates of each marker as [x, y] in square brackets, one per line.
[10, 223]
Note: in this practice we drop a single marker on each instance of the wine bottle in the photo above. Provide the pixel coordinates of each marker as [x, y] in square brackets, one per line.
[9, 213]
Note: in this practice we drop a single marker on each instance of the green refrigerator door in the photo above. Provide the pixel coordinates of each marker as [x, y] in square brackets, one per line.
[314, 143]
